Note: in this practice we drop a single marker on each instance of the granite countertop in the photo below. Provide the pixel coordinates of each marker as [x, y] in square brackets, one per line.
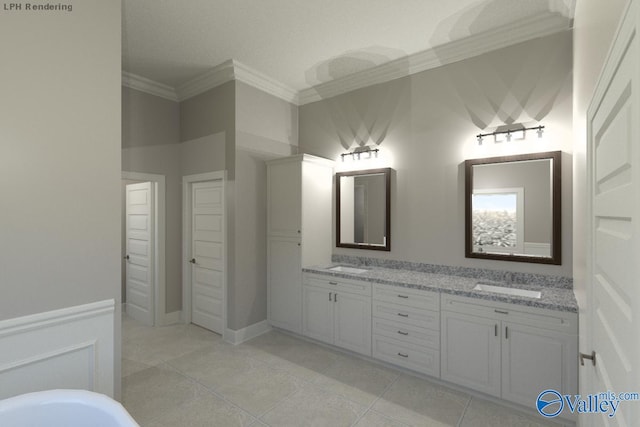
[552, 297]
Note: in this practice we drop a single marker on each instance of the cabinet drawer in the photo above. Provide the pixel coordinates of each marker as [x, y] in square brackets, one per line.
[338, 284]
[407, 315]
[531, 316]
[407, 334]
[420, 359]
[406, 296]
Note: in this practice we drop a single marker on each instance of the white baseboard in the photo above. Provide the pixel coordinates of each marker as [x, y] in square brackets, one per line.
[172, 318]
[69, 348]
[245, 334]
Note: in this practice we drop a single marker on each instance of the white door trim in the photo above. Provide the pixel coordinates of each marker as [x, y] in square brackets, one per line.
[187, 180]
[159, 288]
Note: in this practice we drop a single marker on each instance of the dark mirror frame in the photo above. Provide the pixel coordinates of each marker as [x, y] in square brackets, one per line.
[556, 246]
[387, 179]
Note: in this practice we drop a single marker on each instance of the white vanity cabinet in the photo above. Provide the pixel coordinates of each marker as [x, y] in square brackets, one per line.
[298, 219]
[337, 311]
[506, 350]
[406, 328]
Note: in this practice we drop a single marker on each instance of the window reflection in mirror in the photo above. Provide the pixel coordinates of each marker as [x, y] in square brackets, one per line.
[362, 209]
[513, 208]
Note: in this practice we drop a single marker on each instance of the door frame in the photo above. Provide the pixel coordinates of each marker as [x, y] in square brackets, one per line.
[159, 269]
[187, 182]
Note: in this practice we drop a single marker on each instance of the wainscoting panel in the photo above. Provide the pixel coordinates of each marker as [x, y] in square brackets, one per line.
[70, 348]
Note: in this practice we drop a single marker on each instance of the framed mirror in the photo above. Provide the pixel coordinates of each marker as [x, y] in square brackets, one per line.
[363, 209]
[512, 208]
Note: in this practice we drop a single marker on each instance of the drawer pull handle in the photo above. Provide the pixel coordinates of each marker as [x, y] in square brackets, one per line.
[403, 333]
[403, 296]
[403, 315]
[333, 283]
[501, 311]
[403, 355]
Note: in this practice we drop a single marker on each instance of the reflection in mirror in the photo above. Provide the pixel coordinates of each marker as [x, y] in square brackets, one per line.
[513, 208]
[362, 209]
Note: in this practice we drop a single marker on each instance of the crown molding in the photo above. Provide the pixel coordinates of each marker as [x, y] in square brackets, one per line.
[149, 86]
[448, 53]
[458, 50]
[263, 82]
[218, 75]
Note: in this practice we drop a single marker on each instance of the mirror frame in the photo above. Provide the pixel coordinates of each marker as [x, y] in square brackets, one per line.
[387, 179]
[556, 244]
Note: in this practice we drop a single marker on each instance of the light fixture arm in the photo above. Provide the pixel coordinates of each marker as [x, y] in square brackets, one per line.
[508, 132]
[359, 151]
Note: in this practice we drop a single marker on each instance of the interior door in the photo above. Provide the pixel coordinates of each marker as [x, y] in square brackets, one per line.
[139, 212]
[207, 255]
[613, 156]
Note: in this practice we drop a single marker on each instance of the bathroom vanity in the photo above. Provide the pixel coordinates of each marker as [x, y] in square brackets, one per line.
[490, 338]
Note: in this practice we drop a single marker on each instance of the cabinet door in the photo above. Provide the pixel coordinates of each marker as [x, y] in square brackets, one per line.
[284, 284]
[534, 360]
[317, 312]
[471, 352]
[284, 199]
[352, 327]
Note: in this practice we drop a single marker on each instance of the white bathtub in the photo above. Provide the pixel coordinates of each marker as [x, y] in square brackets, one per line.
[68, 408]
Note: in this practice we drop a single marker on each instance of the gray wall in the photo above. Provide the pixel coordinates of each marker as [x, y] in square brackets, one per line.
[148, 120]
[60, 160]
[425, 125]
[146, 149]
[266, 128]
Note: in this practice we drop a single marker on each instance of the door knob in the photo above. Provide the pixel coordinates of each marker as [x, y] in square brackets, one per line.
[591, 357]
[192, 260]
[126, 257]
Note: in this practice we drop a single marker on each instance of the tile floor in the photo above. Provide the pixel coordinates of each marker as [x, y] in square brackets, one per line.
[183, 375]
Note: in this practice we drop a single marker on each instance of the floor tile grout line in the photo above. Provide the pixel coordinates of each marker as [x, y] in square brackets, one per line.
[464, 411]
[272, 363]
[274, 406]
[376, 400]
[214, 392]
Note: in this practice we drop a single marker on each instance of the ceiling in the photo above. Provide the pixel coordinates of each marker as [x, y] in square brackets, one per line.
[304, 43]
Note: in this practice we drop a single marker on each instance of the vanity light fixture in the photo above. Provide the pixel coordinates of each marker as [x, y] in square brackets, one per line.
[357, 153]
[508, 135]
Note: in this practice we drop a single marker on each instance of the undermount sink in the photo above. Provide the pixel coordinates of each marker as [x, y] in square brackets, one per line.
[345, 269]
[507, 291]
